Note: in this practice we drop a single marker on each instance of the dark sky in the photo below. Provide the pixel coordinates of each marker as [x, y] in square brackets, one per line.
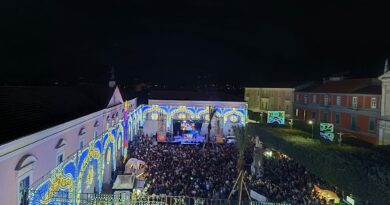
[236, 41]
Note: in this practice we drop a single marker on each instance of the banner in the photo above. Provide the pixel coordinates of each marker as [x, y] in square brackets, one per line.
[258, 197]
[326, 131]
[276, 117]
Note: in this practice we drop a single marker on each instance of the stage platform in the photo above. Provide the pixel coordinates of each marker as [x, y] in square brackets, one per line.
[188, 140]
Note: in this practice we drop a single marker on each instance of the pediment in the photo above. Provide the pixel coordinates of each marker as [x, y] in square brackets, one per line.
[25, 161]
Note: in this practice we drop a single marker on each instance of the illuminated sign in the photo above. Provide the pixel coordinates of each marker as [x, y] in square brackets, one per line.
[276, 117]
[326, 131]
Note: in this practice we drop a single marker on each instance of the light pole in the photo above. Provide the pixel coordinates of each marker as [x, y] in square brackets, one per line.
[312, 128]
[261, 118]
[340, 136]
[291, 123]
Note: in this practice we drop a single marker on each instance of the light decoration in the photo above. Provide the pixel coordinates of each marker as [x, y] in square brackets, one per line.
[236, 112]
[183, 109]
[58, 182]
[277, 117]
[233, 118]
[326, 131]
[68, 176]
[154, 116]
[108, 159]
[182, 116]
[154, 109]
[92, 154]
[205, 112]
[90, 177]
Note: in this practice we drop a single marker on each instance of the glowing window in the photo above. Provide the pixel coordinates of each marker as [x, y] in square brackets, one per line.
[373, 103]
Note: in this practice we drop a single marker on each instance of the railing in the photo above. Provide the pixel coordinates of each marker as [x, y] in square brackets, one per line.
[126, 199]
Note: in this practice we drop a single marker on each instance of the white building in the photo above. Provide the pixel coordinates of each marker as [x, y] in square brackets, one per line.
[184, 105]
[46, 130]
[384, 122]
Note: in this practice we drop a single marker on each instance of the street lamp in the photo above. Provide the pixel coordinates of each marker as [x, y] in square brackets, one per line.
[291, 123]
[312, 128]
[341, 136]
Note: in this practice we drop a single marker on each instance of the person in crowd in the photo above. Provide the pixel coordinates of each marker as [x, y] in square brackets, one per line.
[188, 170]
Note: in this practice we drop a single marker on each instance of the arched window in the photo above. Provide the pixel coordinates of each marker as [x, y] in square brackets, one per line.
[108, 122]
[24, 177]
[112, 119]
[82, 133]
[60, 150]
[96, 126]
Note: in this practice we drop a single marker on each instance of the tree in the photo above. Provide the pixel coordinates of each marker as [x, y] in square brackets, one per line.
[211, 115]
[242, 141]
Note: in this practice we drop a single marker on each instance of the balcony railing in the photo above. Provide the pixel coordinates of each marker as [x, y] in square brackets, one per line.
[126, 199]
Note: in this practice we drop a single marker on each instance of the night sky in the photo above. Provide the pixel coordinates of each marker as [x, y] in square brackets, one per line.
[228, 41]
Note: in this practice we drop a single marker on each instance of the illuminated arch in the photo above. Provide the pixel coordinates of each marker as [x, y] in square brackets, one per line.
[206, 111]
[183, 109]
[234, 112]
[153, 109]
[89, 157]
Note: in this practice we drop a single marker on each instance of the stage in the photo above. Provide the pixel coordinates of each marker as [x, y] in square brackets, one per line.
[188, 139]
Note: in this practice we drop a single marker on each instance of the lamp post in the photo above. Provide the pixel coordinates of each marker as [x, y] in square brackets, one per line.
[341, 135]
[291, 123]
[261, 118]
[312, 128]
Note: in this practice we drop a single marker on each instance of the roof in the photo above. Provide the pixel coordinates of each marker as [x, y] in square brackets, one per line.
[193, 95]
[358, 86]
[26, 110]
[275, 84]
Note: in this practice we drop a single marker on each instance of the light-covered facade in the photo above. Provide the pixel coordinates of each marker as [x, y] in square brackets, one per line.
[76, 157]
[227, 114]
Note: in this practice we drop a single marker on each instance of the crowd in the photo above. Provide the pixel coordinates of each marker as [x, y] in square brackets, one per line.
[283, 180]
[187, 170]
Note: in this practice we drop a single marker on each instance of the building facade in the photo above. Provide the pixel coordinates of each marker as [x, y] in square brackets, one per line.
[353, 106]
[227, 115]
[384, 122]
[76, 156]
[270, 99]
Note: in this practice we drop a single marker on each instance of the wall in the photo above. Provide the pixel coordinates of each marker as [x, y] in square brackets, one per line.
[270, 99]
[42, 145]
[363, 112]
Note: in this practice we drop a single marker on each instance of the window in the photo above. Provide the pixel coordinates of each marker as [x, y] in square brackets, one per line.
[24, 185]
[338, 100]
[82, 134]
[313, 115]
[353, 123]
[354, 102]
[371, 125]
[314, 98]
[326, 100]
[60, 159]
[373, 103]
[81, 144]
[325, 116]
[24, 176]
[337, 118]
[305, 99]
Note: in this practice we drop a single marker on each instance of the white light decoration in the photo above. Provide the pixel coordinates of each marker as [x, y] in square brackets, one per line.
[233, 118]
[154, 116]
[182, 116]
